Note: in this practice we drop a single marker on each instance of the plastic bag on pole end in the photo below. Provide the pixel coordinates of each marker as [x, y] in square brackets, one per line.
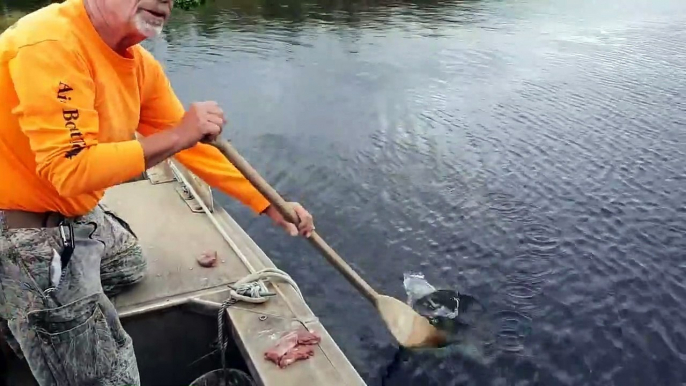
[416, 287]
[427, 300]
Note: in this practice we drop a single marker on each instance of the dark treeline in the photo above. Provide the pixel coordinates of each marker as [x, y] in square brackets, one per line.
[237, 15]
[216, 15]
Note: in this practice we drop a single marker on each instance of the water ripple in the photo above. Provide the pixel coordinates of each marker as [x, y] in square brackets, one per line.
[513, 329]
[507, 206]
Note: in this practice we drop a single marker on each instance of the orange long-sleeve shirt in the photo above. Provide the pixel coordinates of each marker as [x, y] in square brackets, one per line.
[69, 108]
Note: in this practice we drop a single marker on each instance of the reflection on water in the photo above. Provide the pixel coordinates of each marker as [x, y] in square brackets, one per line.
[528, 153]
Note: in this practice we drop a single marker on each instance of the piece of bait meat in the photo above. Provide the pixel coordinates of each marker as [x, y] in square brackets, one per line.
[282, 346]
[297, 353]
[308, 338]
[207, 259]
[292, 347]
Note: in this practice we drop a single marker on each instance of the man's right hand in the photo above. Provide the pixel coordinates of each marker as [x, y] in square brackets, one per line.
[203, 122]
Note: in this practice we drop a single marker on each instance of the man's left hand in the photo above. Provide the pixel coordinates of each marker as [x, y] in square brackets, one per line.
[305, 224]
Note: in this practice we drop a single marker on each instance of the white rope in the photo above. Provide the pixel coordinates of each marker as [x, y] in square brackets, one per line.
[248, 289]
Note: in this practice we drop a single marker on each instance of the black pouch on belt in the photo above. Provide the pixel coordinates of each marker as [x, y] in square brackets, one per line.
[60, 261]
[66, 231]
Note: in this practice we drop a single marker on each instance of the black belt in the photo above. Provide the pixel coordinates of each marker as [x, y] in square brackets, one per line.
[23, 219]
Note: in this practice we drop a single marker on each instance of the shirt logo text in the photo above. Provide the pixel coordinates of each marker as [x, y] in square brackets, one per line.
[70, 118]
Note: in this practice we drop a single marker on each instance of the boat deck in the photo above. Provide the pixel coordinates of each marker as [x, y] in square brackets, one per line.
[173, 235]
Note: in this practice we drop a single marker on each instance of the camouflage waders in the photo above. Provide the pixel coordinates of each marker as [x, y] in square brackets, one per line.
[71, 336]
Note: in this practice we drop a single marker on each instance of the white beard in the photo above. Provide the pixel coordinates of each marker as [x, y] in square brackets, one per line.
[146, 28]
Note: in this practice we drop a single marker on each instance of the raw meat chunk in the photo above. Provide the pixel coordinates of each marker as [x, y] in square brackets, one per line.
[297, 353]
[207, 259]
[292, 347]
[282, 346]
[306, 337]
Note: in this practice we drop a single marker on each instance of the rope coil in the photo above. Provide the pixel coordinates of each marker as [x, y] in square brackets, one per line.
[251, 288]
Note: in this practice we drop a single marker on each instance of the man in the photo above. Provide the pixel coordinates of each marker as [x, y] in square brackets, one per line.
[74, 87]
